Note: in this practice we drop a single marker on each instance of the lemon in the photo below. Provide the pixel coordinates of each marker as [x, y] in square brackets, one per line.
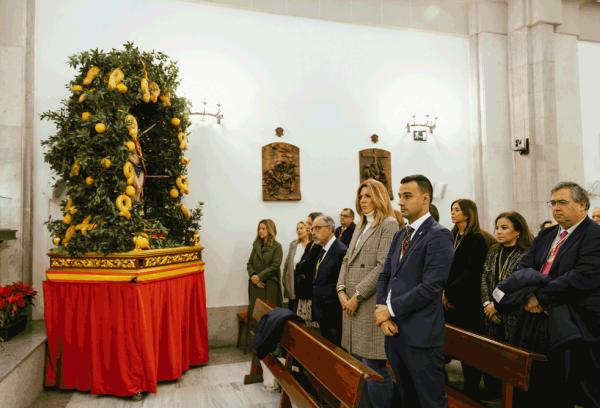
[86, 115]
[122, 88]
[77, 88]
[89, 181]
[100, 128]
[130, 191]
[175, 122]
[105, 162]
[185, 161]
[174, 193]
[130, 146]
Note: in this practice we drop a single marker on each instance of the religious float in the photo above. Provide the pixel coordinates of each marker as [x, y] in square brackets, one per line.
[124, 296]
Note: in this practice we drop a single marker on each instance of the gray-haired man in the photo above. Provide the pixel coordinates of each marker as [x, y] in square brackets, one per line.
[569, 254]
[326, 306]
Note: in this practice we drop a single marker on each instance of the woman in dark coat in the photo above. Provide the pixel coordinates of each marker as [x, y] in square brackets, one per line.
[502, 261]
[462, 295]
[303, 276]
[514, 240]
[264, 266]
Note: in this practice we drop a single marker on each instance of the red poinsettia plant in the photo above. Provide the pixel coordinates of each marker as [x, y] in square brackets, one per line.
[14, 299]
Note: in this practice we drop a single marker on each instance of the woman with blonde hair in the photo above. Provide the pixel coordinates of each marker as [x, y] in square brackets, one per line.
[264, 266]
[357, 287]
[294, 256]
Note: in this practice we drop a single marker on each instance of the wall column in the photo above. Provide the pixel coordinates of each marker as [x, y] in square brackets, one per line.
[492, 156]
[16, 132]
[545, 106]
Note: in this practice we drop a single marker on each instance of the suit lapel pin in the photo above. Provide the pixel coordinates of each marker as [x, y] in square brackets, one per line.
[420, 233]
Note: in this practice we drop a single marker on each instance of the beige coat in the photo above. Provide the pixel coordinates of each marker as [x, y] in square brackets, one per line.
[287, 278]
[360, 271]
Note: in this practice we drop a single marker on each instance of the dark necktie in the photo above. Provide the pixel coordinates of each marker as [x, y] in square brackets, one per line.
[321, 256]
[406, 240]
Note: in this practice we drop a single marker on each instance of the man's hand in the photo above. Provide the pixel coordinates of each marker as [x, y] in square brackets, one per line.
[257, 282]
[446, 302]
[351, 306]
[389, 328]
[382, 314]
[343, 299]
[533, 306]
[490, 310]
[496, 319]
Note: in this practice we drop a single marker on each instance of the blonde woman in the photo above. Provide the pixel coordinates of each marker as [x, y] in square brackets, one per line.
[294, 256]
[357, 287]
[264, 266]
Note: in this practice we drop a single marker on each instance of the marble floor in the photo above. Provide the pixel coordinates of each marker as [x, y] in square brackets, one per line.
[216, 384]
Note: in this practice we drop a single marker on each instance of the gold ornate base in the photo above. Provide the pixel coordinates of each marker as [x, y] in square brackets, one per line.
[136, 265]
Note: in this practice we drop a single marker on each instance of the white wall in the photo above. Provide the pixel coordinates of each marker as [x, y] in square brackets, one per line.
[329, 85]
[589, 61]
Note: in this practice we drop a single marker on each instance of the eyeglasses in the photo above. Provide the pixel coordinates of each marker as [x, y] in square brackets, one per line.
[345, 216]
[559, 203]
[318, 227]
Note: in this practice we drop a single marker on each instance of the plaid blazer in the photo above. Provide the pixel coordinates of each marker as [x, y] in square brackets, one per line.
[360, 272]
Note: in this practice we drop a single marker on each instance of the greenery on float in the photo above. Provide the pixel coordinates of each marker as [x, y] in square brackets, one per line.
[77, 139]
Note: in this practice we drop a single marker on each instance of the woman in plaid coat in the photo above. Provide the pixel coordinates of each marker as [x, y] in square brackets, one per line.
[357, 287]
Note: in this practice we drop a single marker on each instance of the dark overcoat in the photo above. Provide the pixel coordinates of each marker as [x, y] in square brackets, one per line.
[265, 262]
[463, 288]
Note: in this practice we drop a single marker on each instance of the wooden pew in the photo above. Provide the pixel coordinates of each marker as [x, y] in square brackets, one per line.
[339, 376]
[510, 364]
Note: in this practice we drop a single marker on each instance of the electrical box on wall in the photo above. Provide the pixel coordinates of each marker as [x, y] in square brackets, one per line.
[420, 135]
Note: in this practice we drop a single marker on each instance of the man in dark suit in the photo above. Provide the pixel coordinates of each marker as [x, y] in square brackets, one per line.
[326, 306]
[569, 253]
[346, 229]
[409, 299]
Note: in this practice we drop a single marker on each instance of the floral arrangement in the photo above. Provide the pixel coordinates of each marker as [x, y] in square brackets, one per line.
[14, 299]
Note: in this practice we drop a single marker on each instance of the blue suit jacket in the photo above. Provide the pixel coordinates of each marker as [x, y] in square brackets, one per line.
[417, 283]
[326, 304]
[575, 276]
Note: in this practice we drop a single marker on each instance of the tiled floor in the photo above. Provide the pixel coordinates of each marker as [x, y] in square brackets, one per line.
[216, 384]
[220, 377]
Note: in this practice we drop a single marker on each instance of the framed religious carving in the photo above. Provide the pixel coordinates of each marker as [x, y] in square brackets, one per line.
[376, 164]
[281, 172]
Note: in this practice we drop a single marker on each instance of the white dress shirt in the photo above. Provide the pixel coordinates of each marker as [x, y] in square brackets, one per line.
[415, 225]
[560, 231]
[328, 245]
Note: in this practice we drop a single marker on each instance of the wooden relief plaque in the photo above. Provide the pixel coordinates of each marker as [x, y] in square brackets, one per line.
[281, 172]
[376, 164]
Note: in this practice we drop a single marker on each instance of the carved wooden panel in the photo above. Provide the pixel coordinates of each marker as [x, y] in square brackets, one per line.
[281, 172]
[376, 164]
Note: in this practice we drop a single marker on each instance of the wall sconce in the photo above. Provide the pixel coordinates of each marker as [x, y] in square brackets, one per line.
[421, 135]
[217, 115]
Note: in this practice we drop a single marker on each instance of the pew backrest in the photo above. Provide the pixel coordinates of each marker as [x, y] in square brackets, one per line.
[510, 364]
[339, 373]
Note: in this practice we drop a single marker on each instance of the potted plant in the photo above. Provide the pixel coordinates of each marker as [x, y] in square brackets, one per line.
[14, 300]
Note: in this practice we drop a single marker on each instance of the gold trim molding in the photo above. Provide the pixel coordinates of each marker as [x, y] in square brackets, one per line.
[129, 260]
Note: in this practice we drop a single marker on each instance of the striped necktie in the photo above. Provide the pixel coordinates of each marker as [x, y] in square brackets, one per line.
[406, 240]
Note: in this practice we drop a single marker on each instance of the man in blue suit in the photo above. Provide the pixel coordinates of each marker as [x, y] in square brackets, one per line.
[409, 299]
[326, 306]
[569, 253]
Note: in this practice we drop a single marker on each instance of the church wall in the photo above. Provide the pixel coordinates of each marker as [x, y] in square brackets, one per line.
[329, 85]
[589, 60]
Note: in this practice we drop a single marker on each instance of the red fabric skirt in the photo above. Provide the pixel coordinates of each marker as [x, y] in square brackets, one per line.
[122, 338]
